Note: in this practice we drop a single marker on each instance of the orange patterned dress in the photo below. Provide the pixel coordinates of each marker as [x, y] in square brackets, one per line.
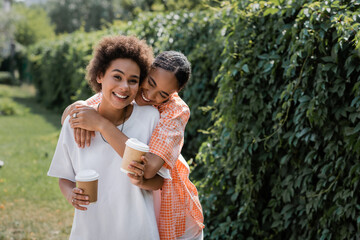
[179, 197]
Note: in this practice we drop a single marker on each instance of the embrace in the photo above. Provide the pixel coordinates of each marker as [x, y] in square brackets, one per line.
[136, 97]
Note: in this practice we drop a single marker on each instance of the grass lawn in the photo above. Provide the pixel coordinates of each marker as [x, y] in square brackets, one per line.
[31, 204]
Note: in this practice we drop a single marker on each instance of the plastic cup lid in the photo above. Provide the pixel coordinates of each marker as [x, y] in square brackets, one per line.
[87, 175]
[137, 145]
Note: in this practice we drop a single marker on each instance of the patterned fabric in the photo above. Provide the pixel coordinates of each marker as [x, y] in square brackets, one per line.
[179, 196]
[167, 139]
[94, 100]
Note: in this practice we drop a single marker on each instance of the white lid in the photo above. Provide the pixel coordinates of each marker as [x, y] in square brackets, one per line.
[87, 175]
[137, 145]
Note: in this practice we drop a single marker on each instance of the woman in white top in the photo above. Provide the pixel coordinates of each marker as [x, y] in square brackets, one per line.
[123, 210]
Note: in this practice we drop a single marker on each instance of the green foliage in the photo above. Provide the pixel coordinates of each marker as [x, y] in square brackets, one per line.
[6, 78]
[7, 108]
[283, 158]
[128, 9]
[21, 27]
[70, 15]
[7, 30]
[58, 69]
[172, 5]
[32, 24]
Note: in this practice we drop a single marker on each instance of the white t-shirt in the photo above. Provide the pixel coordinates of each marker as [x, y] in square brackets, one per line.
[123, 210]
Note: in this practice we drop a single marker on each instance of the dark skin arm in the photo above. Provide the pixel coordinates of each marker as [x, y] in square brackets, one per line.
[82, 136]
[138, 179]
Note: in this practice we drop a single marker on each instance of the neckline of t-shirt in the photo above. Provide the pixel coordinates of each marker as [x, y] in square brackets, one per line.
[134, 111]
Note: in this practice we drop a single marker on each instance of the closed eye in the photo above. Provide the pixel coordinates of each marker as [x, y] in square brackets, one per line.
[163, 95]
[151, 82]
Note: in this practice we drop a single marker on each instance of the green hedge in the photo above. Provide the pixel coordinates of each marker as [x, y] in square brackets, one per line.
[58, 69]
[275, 87]
[282, 159]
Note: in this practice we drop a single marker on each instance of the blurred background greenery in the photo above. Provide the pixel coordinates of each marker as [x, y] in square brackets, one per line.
[273, 140]
[23, 23]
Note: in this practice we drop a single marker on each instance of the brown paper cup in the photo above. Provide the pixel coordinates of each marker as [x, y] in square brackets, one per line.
[87, 180]
[133, 151]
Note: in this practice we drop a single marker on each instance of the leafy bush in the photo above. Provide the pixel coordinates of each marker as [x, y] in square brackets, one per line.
[282, 160]
[7, 108]
[58, 69]
[6, 78]
[31, 24]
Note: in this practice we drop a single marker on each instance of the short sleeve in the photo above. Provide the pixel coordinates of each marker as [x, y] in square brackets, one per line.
[164, 173]
[168, 137]
[94, 100]
[62, 162]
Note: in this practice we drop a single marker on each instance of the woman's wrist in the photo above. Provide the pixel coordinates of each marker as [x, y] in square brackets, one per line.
[104, 124]
[69, 196]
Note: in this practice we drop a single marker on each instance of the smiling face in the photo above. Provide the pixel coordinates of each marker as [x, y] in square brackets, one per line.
[120, 83]
[157, 87]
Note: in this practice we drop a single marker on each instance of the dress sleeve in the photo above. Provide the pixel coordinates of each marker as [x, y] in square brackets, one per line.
[62, 162]
[94, 100]
[168, 137]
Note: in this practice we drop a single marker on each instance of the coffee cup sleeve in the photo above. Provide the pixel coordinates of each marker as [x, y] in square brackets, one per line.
[164, 173]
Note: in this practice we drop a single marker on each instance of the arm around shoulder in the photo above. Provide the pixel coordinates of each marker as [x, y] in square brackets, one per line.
[168, 137]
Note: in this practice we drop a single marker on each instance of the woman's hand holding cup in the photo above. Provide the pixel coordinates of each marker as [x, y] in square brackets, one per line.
[78, 198]
[138, 169]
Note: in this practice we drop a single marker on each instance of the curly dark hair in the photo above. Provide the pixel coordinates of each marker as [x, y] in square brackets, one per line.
[174, 62]
[113, 47]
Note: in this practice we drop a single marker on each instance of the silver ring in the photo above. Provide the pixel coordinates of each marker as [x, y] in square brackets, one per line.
[73, 200]
[74, 115]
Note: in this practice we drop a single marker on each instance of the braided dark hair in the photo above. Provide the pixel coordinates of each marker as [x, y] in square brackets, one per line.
[174, 62]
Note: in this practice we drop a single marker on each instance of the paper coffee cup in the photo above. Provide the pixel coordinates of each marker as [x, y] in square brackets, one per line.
[134, 149]
[87, 180]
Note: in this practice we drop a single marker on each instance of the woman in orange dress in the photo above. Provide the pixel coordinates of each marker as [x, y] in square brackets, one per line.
[181, 214]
